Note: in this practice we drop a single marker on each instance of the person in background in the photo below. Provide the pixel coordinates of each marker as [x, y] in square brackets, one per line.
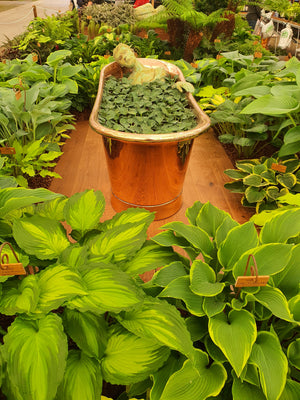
[253, 14]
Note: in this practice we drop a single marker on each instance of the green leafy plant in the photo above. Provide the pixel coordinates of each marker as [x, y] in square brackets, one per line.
[263, 181]
[109, 14]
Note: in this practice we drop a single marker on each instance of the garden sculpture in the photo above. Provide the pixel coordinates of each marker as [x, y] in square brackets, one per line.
[125, 57]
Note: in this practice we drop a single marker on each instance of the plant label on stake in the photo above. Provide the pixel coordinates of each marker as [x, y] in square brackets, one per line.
[7, 150]
[254, 279]
[278, 167]
[7, 268]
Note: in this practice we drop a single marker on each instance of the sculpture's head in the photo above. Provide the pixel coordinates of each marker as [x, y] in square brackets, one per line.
[124, 55]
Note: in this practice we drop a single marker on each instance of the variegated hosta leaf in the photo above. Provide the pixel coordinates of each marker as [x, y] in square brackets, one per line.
[234, 335]
[52, 209]
[196, 382]
[75, 256]
[266, 354]
[203, 280]
[58, 284]
[270, 259]
[20, 296]
[210, 218]
[82, 379]
[36, 352]
[108, 289]
[83, 210]
[149, 257]
[131, 215]
[129, 358]
[40, 236]
[87, 330]
[119, 243]
[280, 228]
[157, 319]
[238, 241]
[167, 274]
[179, 288]
[246, 391]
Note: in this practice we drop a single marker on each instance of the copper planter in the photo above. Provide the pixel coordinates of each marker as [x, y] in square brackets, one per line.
[147, 170]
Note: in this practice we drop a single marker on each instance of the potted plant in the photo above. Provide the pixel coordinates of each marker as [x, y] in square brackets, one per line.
[147, 169]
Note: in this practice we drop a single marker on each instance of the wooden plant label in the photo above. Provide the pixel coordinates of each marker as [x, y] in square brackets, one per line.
[249, 281]
[18, 94]
[7, 150]
[278, 167]
[34, 57]
[7, 268]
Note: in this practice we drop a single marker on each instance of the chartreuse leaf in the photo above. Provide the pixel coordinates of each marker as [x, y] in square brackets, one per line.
[179, 288]
[267, 353]
[280, 228]
[288, 279]
[52, 209]
[210, 218]
[83, 210]
[40, 236]
[167, 274]
[157, 319]
[119, 243]
[36, 352]
[108, 289]
[238, 240]
[82, 379]
[246, 391]
[226, 226]
[294, 304]
[149, 257]
[203, 280]
[272, 105]
[291, 390]
[192, 212]
[88, 331]
[129, 358]
[19, 296]
[133, 215]
[293, 353]
[234, 335]
[15, 198]
[195, 383]
[270, 259]
[214, 305]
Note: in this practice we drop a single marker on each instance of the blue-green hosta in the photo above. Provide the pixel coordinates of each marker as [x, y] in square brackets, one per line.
[86, 316]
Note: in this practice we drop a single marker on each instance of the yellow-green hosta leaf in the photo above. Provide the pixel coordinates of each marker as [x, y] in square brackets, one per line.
[252, 180]
[291, 390]
[167, 274]
[119, 243]
[287, 180]
[210, 218]
[293, 353]
[87, 330]
[270, 259]
[288, 279]
[52, 209]
[19, 297]
[246, 391]
[238, 241]
[272, 105]
[58, 284]
[108, 289]
[82, 379]
[195, 382]
[36, 352]
[157, 319]
[203, 280]
[280, 228]
[83, 210]
[129, 358]
[179, 288]
[40, 236]
[272, 364]
[131, 215]
[222, 231]
[254, 194]
[234, 335]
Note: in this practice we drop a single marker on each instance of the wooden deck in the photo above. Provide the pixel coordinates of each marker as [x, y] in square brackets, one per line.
[82, 167]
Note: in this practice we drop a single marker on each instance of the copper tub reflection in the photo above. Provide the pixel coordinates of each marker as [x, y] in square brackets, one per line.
[147, 170]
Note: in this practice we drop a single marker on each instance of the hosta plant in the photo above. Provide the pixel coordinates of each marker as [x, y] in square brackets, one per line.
[262, 181]
[86, 317]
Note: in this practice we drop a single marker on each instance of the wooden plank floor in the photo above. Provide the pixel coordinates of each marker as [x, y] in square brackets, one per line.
[82, 167]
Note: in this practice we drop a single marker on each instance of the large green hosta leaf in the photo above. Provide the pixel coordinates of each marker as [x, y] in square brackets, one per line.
[58, 284]
[108, 288]
[15, 198]
[87, 330]
[82, 379]
[119, 243]
[246, 391]
[203, 280]
[272, 364]
[149, 257]
[280, 228]
[157, 319]
[291, 390]
[270, 259]
[288, 279]
[131, 215]
[210, 218]
[83, 210]
[271, 105]
[129, 359]
[195, 383]
[36, 352]
[39, 236]
[293, 353]
[234, 335]
[238, 240]
[19, 296]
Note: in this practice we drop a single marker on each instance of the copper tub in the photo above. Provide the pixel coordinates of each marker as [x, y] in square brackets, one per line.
[147, 170]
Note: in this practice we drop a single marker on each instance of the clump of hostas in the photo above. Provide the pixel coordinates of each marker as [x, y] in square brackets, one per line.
[154, 107]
